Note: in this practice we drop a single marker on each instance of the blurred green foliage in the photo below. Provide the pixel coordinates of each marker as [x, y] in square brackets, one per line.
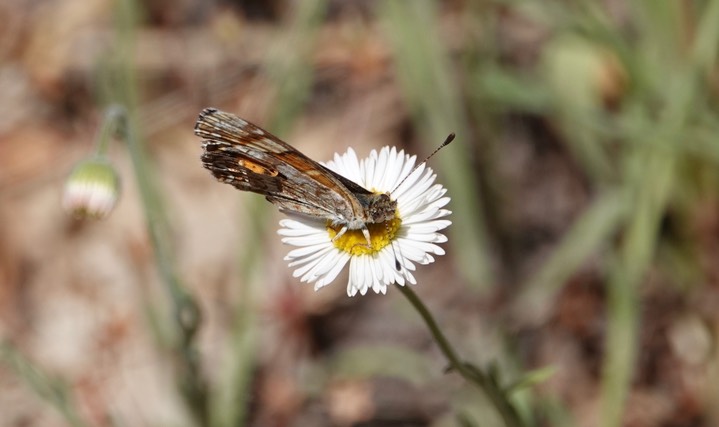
[632, 98]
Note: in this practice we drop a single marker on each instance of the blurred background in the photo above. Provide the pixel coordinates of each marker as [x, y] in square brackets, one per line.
[585, 199]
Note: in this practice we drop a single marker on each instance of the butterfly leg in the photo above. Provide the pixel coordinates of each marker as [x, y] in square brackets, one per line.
[340, 233]
[365, 233]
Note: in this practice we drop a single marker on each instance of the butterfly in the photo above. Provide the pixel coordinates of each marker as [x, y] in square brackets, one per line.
[249, 158]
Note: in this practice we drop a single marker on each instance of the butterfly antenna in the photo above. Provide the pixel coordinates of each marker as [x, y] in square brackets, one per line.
[397, 263]
[446, 142]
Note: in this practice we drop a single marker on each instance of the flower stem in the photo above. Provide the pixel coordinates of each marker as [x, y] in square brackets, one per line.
[112, 121]
[486, 382]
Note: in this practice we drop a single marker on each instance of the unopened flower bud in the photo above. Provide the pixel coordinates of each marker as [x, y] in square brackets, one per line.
[92, 189]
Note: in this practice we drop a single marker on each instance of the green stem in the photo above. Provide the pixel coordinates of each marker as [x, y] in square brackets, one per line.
[471, 373]
[112, 121]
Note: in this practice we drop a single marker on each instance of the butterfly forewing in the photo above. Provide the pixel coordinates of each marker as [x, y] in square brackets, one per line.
[252, 159]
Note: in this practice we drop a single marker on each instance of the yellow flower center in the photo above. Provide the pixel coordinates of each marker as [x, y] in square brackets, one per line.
[354, 242]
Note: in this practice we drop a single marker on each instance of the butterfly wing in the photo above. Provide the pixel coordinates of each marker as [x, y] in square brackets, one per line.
[252, 159]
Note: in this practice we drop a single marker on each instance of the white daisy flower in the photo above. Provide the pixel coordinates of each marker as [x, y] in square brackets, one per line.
[410, 238]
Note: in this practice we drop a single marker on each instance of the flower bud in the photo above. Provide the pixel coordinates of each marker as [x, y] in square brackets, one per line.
[584, 75]
[92, 189]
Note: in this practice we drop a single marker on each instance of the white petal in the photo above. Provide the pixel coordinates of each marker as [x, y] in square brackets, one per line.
[307, 271]
[392, 170]
[328, 263]
[426, 227]
[379, 287]
[312, 239]
[304, 251]
[406, 163]
[410, 278]
[369, 169]
[426, 237]
[353, 282]
[335, 269]
[380, 169]
[418, 176]
[358, 274]
[376, 268]
[351, 290]
[364, 273]
[410, 251]
[419, 217]
[296, 232]
[427, 247]
[296, 225]
[311, 257]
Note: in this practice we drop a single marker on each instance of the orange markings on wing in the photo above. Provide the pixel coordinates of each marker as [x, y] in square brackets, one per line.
[308, 167]
[256, 167]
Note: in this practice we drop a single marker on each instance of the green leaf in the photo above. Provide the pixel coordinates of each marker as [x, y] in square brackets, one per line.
[532, 378]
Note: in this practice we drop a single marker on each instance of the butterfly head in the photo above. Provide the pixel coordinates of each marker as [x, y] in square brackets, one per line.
[381, 208]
